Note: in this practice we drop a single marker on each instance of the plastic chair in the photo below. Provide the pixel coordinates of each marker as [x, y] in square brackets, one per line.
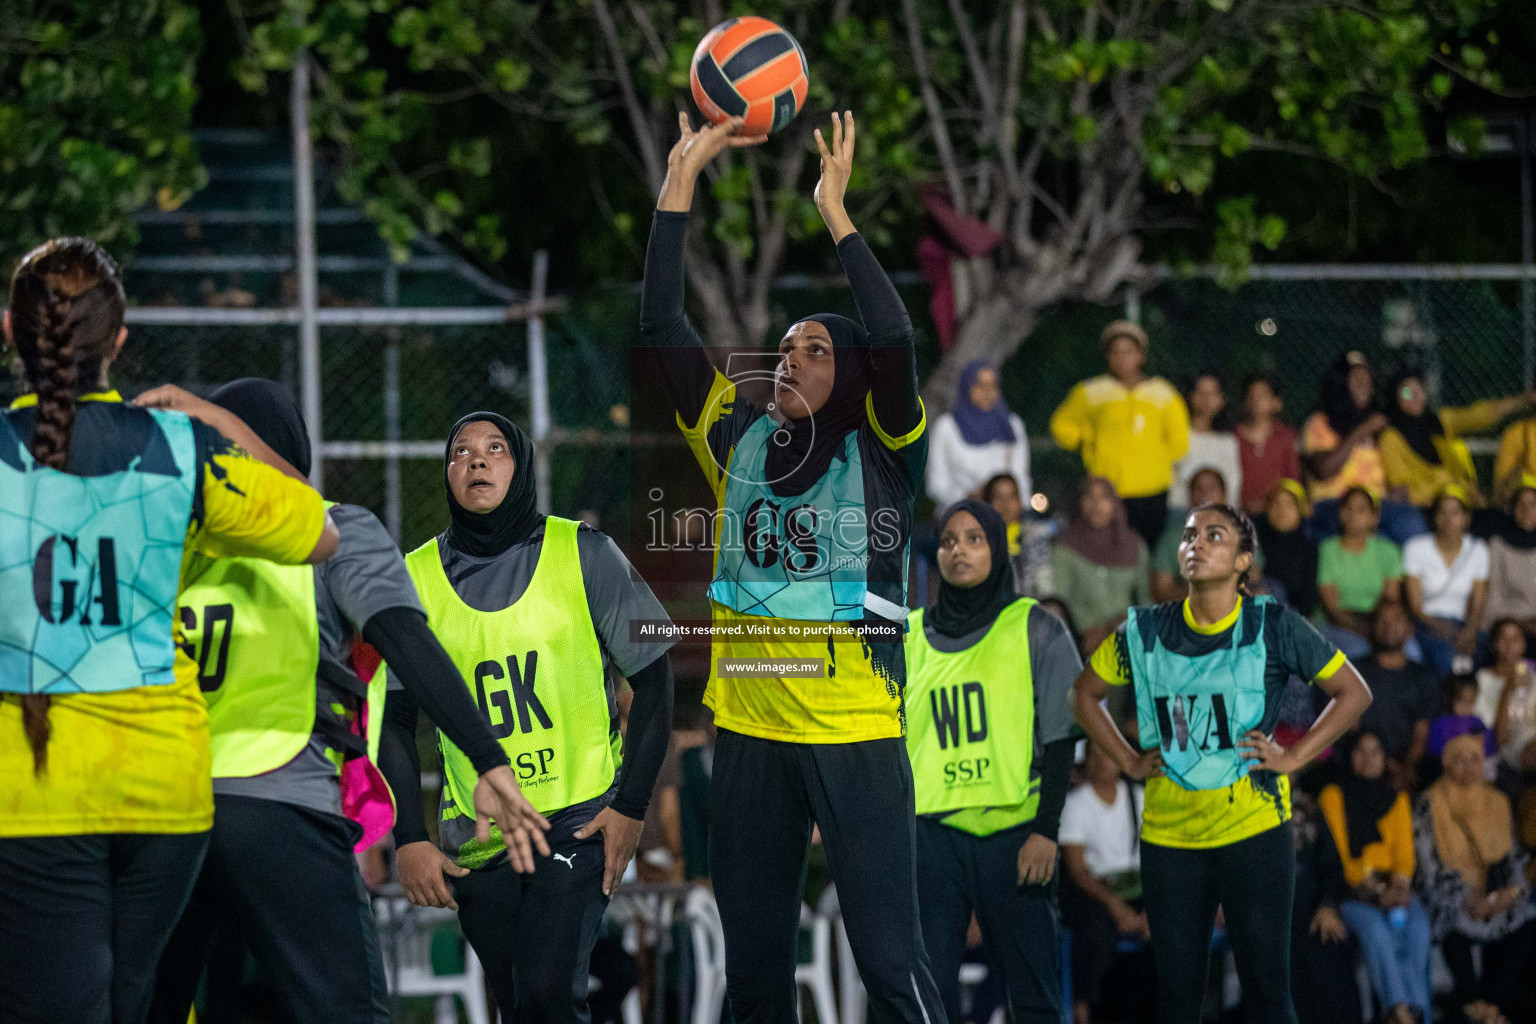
[708, 937]
[817, 974]
[407, 933]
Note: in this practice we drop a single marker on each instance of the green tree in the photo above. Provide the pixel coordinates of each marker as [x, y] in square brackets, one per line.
[95, 107]
[1075, 129]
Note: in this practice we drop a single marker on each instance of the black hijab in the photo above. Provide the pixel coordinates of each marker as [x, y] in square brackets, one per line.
[1291, 558]
[812, 442]
[269, 410]
[960, 611]
[1509, 531]
[1335, 401]
[486, 534]
[1419, 431]
[1366, 802]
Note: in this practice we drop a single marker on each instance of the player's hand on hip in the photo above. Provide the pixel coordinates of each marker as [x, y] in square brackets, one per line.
[1147, 765]
[1264, 753]
[498, 797]
[621, 837]
[1037, 860]
[422, 867]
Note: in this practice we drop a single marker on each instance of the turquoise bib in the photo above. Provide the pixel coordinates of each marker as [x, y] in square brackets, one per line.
[1197, 708]
[90, 566]
[804, 557]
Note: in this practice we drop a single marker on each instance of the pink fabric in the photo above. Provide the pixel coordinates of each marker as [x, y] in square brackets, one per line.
[933, 260]
[957, 234]
[365, 796]
[1263, 467]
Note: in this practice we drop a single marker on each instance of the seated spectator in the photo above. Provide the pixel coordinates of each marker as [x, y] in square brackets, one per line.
[1322, 958]
[1422, 451]
[1445, 581]
[1516, 458]
[1101, 861]
[1405, 695]
[1460, 720]
[1506, 698]
[1129, 428]
[1099, 563]
[977, 439]
[1029, 536]
[1211, 443]
[1473, 877]
[1512, 559]
[1338, 448]
[1206, 487]
[1290, 556]
[1266, 447]
[1356, 571]
[1372, 829]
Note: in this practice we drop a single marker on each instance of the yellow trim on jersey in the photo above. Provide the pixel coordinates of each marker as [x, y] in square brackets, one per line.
[252, 510]
[28, 400]
[1204, 819]
[721, 397]
[1334, 664]
[1107, 663]
[1222, 624]
[890, 442]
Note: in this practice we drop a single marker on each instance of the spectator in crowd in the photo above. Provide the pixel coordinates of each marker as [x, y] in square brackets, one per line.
[1206, 487]
[1422, 450]
[1266, 447]
[1101, 858]
[1322, 958]
[1506, 699]
[1445, 582]
[1473, 877]
[1290, 556]
[1516, 458]
[1460, 720]
[1512, 559]
[1372, 829]
[1128, 428]
[1407, 695]
[1338, 447]
[1029, 537]
[1099, 563]
[1356, 571]
[1211, 443]
[977, 439]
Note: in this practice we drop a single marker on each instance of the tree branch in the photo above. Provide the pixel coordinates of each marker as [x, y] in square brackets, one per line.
[655, 164]
[941, 140]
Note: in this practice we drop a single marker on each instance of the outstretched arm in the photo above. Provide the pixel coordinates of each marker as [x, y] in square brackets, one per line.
[892, 355]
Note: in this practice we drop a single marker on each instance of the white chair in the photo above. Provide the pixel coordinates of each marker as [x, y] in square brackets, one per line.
[407, 932]
[708, 939]
[817, 974]
[853, 1000]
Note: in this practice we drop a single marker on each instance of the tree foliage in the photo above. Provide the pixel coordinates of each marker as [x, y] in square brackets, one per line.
[95, 109]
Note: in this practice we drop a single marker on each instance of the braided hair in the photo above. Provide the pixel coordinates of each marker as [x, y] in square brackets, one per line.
[66, 310]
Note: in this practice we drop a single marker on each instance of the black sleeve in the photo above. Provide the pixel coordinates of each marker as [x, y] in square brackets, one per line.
[645, 742]
[893, 355]
[678, 352]
[413, 653]
[1055, 777]
[400, 764]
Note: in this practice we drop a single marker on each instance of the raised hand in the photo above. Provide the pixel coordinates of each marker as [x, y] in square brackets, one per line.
[692, 152]
[836, 168]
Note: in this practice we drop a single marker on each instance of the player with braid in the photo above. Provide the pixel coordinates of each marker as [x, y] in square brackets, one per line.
[105, 790]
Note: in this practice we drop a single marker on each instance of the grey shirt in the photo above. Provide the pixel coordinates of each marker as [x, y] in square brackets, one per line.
[616, 594]
[365, 576]
[1053, 665]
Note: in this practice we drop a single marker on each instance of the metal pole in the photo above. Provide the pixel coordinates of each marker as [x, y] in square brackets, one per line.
[538, 378]
[304, 256]
[392, 406]
[1527, 243]
[1132, 304]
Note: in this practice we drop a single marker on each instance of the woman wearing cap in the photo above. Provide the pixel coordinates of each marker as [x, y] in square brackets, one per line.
[1422, 451]
[1445, 578]
[1128, 428]
[814, 518]
[536, 613]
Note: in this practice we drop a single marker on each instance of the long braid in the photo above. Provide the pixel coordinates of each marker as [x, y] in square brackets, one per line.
[66, 308]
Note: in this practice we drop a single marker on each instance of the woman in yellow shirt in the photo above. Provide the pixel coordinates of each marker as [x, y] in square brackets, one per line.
[1129, 428]
[105, 785]
[1373, 828]
[1422, 451]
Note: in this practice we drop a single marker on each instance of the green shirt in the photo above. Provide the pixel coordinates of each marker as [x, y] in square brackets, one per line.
[1359, 577]
[1096, 594]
